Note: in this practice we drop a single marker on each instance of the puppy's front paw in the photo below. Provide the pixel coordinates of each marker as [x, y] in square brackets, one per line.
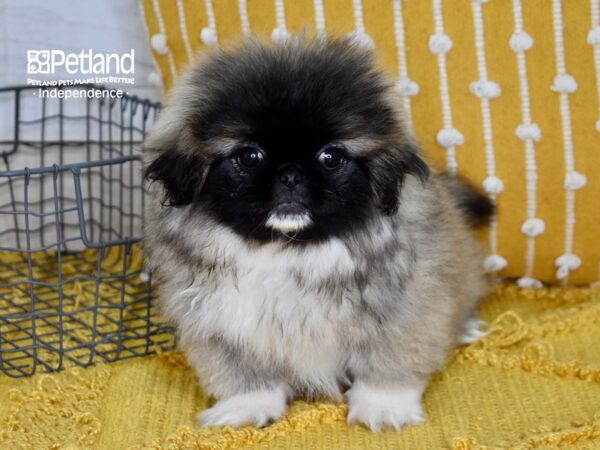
[253, 408]
[470, 331]
[385, 406]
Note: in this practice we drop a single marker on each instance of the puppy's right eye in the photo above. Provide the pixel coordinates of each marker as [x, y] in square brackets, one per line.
[250, 156]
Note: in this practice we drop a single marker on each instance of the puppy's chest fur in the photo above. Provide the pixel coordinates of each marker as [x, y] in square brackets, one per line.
[288, 308]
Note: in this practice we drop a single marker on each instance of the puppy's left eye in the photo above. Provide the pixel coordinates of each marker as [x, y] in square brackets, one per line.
[330, 157]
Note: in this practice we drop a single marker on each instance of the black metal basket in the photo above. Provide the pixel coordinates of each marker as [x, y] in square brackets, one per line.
[72, 286]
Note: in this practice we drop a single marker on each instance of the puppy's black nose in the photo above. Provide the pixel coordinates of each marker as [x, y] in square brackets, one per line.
[290, 175]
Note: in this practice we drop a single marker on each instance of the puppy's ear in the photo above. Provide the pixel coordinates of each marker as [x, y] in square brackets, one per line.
[413, 164]
[181, 176]
[390, 168]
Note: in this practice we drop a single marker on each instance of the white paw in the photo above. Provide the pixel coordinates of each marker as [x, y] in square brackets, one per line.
[470, 331]
[387, 406]
[253, 408]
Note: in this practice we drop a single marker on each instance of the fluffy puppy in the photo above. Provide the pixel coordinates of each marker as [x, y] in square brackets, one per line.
[298, 241]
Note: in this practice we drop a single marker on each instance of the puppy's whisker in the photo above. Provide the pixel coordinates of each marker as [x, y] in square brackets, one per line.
[293, 238]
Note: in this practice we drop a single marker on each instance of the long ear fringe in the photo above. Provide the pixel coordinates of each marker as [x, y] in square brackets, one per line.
[180, 175]
[413, 164]
[389, 172]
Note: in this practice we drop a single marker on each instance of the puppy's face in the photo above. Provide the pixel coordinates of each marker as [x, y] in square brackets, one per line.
[300, 141]
[298, 186]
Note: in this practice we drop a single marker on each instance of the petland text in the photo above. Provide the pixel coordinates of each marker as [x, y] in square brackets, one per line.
[85, 62]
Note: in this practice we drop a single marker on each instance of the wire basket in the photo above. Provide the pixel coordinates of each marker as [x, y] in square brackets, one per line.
[72, 288]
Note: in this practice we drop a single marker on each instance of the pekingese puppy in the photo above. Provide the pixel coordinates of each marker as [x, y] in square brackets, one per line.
[298, 240]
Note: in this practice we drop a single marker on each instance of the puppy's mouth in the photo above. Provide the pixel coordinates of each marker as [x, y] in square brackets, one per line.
[289, 218]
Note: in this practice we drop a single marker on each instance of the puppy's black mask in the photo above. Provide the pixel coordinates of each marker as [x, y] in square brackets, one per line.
[313, 144]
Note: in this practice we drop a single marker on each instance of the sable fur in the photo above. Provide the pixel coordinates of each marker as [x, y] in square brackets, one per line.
[373, 294]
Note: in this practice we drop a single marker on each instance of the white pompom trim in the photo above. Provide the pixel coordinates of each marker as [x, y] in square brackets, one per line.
[493, 185]
[529, 283]
[485, 89]
[440, 43]
[566, 263]
[569, 260]
[208, 36]
[520, 41]
[279, 35]
[564, 84]
[158, 42]
[361, 39]
[494, 263]
[562, 272]
[155, 79]
[574, 180]
[449, 137]
[407, 87]
[598, 125]
[533, 227]
[529, 131]
[593, 37]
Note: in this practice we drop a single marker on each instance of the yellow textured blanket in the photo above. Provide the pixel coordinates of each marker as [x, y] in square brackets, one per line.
[533, 382]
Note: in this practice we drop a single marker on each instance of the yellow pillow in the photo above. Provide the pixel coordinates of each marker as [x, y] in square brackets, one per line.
[505, 92]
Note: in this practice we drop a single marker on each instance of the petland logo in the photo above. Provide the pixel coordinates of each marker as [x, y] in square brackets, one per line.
[82, 63]
[78, 69]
